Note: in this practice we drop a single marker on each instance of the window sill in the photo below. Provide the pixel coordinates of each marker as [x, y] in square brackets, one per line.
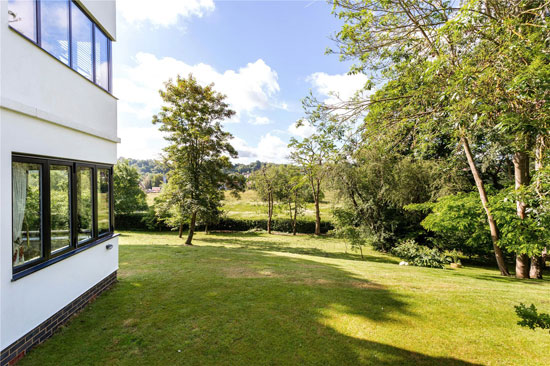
[60, 257]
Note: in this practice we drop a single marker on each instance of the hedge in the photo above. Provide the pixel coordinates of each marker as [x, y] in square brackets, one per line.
[144, 221]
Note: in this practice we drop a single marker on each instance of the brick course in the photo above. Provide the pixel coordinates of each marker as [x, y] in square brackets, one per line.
[14, 352]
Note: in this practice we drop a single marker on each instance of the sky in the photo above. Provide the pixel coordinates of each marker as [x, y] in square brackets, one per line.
[265, 56]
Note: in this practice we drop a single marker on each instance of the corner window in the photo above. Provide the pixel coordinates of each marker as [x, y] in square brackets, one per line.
[54, 21]
[84, 203]
[103, 201]
[82, 35]
[22, 17]
[53, 203]
[66, 32]
[26, 211]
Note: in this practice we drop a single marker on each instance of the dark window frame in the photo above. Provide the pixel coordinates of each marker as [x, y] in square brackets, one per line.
[38, 43]
[47, 257]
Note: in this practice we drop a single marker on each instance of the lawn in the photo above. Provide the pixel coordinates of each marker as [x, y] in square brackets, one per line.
[255, 299]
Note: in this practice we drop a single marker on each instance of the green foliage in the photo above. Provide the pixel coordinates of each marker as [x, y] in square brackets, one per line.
[531, 318]
[128, 195]
[458, 222]
[418, 255]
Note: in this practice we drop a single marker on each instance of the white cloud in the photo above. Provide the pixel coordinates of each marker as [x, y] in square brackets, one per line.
[259, 120]
[162, 12]
[337, 86]
[305, 130]
[252, 87]
[270, 148]
[141, 142]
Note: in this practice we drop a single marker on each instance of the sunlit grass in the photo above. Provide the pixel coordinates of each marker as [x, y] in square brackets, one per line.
[258, 299]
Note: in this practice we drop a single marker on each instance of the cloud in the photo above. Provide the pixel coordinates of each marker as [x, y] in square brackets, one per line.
[141, 142]
[259, 120]
[305, 130]
[250, 88]
[342, 85]
[162, 12]
[270, 148]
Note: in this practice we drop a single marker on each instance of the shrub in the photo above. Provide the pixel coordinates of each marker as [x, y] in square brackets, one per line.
[146, 221]
[418, 255]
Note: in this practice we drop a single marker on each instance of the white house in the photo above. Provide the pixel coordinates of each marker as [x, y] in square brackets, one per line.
[58, 139]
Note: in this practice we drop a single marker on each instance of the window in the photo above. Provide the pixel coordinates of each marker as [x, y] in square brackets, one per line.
[61, 28]
[26, 209]
[58, 207]
[82, 35]
[101, 59]
[54, 21]
[84, 203]
[103, 201]
[22, 17]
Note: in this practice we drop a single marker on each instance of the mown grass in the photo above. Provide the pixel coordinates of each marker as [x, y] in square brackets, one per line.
[256, 299]
[249, 206]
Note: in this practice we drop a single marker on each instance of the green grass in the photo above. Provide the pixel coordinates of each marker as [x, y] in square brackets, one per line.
[249, 206]
[255, 299]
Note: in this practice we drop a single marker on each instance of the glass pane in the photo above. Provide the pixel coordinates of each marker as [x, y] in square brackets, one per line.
[54, 18]
[84, 203]
[101, 59]
[26, 208]
[103, 201]
[22, 16]
[81, 42]
[60, 198]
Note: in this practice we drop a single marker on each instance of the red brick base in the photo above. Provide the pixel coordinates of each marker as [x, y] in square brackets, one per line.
[14, 352]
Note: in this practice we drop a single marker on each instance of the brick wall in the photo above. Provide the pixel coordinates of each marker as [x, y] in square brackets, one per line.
[14, 352]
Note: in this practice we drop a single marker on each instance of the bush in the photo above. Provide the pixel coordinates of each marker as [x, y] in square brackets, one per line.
[144, 221]
[418, 255]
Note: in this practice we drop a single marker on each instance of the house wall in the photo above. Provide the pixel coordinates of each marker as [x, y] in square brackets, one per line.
[50, 110]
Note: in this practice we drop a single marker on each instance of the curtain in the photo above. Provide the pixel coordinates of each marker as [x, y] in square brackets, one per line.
[19, 200]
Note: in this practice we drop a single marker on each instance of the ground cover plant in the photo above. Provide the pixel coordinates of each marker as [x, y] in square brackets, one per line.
[259, 299]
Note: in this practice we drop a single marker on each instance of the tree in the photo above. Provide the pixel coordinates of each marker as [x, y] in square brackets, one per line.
[128, 195]
[313, 154]
[291, 191]
[478, 73]
[199, 149]
[264, 183]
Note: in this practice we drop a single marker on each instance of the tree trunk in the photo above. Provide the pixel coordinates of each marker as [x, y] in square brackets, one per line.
[521, 178]
[191, 228]
[317, 211]
[499, 255]
[544, 258]
[536, 267]
[295, 215]
[269, 211]
[206, 228]
[181, 230]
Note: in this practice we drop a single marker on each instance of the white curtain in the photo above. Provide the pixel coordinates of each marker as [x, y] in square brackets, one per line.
[19, 200]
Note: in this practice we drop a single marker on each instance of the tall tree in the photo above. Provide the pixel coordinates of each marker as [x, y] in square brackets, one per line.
[314, 154]
[291, 191]
[264, 183]
[128, 195]
[199, 148]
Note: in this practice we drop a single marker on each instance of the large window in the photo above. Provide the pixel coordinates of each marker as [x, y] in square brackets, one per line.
[58, 207]
[54, 21]
[63, 29]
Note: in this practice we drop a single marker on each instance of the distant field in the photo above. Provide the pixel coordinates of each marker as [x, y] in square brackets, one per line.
[249, 206]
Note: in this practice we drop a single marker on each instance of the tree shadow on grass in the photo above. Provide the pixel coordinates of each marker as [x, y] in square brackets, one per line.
[224, 306]
[263, 244]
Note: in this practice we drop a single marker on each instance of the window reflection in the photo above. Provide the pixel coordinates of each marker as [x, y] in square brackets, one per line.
[81, 52]
[60, 208]
[103, 201]
[101, 59]
[54, 19]
[84, 203]
[22, 16]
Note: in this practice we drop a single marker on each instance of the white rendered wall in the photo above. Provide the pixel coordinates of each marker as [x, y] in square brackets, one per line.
[103, 12]
[35, 81]
[30, 300]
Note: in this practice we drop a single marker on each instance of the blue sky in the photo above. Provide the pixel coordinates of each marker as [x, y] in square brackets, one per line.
[264, 55]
